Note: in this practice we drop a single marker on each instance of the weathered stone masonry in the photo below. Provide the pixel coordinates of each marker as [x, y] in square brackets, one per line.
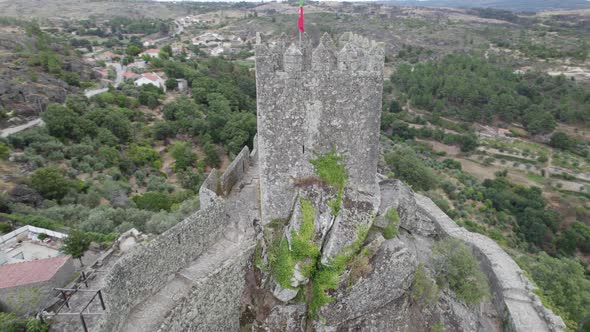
[146, 269]
[313, 101]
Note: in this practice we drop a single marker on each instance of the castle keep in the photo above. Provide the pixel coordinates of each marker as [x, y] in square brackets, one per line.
[213, 271]
[313, 100]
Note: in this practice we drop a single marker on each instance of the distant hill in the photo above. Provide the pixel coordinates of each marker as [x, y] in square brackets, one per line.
[514, 5]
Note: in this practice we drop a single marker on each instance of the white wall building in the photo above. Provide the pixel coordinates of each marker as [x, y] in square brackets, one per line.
[151, 78]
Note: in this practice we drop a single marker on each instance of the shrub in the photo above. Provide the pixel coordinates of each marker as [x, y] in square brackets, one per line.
[50, 182]
[409, 168]
[458, 269]
[392, 218]
[153, 201]
[424, 290]
[4, 151]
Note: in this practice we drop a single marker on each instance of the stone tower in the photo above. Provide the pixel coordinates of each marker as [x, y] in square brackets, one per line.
[312, 101]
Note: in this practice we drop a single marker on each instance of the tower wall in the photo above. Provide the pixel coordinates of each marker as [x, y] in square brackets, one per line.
[311, 101]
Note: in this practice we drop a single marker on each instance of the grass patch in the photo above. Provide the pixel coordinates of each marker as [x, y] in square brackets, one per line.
[302, 242]
[331, 169]
[390, 231]
[535, 177]
[281, 263]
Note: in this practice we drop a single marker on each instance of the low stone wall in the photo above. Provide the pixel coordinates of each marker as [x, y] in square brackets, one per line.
[214, 301]
[513, 292]
[235, 171]
[209, 189]
[146, 269]
[217, 184]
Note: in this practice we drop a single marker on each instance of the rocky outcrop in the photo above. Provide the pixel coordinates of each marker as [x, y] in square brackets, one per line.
[393, 270]
[513, 295]
[26, 90]
[25, 195]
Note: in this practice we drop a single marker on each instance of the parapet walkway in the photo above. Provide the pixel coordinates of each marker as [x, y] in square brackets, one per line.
[242, 209]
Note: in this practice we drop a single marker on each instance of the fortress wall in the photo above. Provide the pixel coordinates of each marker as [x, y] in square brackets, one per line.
[513, 292]
[147, 268]
[214, 302]
[235, 171]
[209, 189]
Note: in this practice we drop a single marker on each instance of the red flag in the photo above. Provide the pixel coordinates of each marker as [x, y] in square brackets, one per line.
[300, 23]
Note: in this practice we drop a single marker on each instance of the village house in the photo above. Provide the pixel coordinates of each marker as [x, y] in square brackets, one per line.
[28, 287]
[129, 75]
[151, 78]
[152, 53]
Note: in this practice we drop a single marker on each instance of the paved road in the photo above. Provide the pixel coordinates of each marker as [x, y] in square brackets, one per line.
[118, 80]
[13, 130]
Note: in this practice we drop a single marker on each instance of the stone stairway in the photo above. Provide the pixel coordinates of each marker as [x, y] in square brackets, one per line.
[243, 210]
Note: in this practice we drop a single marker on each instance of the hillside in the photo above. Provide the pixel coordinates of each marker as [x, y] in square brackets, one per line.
[513, 5]
[484, 112]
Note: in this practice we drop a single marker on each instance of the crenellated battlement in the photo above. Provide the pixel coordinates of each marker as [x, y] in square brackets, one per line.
[351, 53]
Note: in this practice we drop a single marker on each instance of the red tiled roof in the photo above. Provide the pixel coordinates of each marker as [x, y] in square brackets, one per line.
[18, 274]
[128, 74]
[151, 76]
[152, 50]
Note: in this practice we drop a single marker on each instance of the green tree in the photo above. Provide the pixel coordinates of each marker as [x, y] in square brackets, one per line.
[409, 168]
[183, 155]
[539, 122]
[76, 244]
[560, 140]
[62, 122]
[50, 182]
[211, 155]
[144, 155]
[171, 83]
[4, 151]
[133, 50]
[153, 201]
[563, 286]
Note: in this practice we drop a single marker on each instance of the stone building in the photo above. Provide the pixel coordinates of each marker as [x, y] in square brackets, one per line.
[28, 287]
[311, 101]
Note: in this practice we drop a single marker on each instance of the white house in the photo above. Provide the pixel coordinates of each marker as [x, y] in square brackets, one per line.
[151, 78]
[152, 53]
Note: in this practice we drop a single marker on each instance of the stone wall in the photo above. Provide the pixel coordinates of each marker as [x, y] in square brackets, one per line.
[512, 291]
[235, 171]
[214, 302]
[217, 184]
[311, 101]
[210, 189]
[147, 268]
